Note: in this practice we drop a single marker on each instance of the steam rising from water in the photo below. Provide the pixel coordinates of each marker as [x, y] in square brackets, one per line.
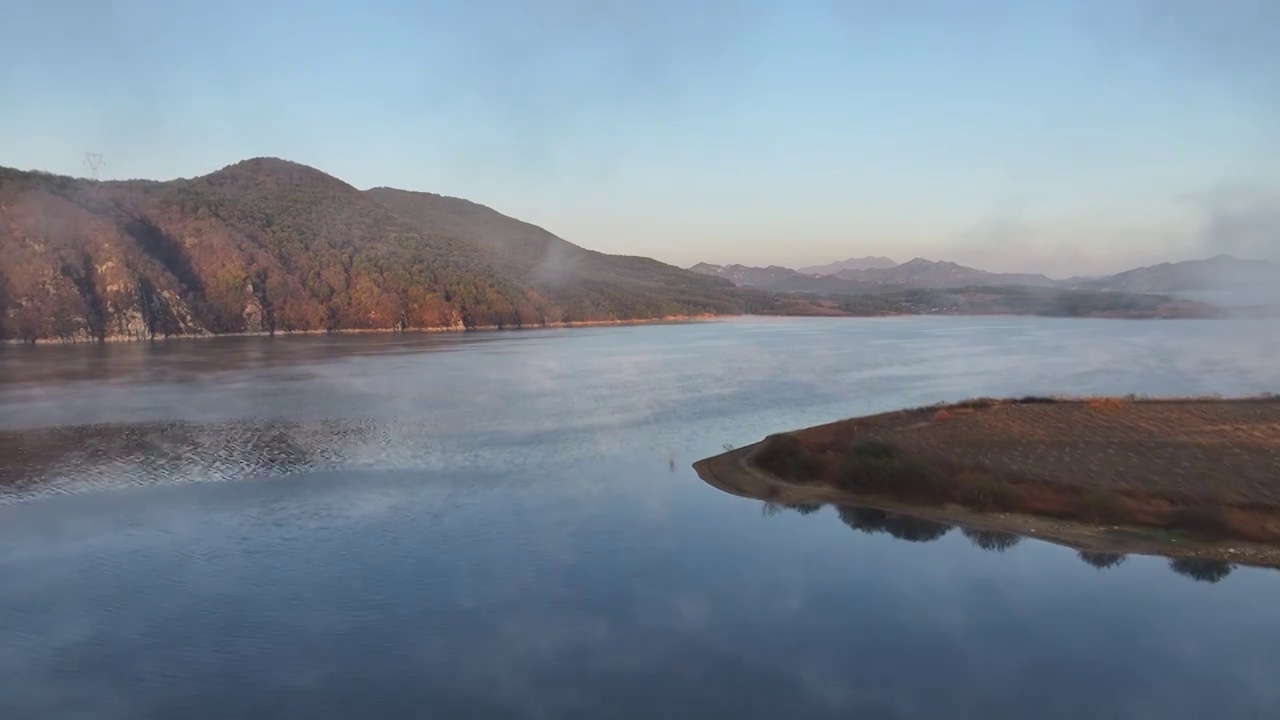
[81, 418]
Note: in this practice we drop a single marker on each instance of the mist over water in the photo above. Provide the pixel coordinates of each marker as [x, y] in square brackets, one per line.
[506, 525]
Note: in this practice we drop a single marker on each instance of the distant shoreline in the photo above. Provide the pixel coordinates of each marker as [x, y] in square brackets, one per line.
[126, 339]
[705, 317]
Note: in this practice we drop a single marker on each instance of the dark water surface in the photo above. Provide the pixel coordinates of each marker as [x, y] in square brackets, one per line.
[506, 525]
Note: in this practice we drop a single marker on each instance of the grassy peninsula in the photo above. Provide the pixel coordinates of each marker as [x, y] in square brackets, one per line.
[1184, 478]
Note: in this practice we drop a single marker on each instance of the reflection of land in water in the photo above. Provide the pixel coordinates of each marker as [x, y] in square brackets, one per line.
[993, 540]
[901, 526]
[736, 473]
[1201, 569]
[1101, 560]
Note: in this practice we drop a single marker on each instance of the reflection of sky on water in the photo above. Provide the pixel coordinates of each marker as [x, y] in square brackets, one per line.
[495, 531]
[330, 593]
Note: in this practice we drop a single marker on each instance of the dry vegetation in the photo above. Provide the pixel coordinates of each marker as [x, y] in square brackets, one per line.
[1201, 467]
[271, 246]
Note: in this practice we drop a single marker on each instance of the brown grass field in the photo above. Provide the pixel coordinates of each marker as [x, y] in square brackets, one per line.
[1215, 451]
[1206, 468]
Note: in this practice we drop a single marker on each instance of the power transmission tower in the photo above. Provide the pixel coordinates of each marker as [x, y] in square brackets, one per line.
[94, 162]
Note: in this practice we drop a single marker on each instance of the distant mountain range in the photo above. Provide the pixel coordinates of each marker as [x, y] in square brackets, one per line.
[866, 263]
[1220, 272]
[746, 276]
[1216, 273]
[917, 273]
[929, 274]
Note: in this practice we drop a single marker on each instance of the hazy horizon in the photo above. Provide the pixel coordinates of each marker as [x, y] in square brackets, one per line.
[1067, 138]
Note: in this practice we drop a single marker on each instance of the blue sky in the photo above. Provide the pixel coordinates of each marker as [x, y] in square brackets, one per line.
[1055, 136]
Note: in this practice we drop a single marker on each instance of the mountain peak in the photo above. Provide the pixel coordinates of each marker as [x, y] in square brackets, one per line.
[855, 264]
[264, 164]
[274, 170]
[919, 262]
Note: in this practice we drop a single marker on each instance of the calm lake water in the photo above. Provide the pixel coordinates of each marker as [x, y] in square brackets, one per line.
[506, 525]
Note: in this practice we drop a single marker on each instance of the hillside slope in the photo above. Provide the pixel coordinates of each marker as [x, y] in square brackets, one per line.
[267, 245]
[585, 283]
[1221, 272]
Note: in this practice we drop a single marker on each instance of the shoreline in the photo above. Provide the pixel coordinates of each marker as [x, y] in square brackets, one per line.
[125, 339]
[705, 317]
[736, 472]
[732, 473]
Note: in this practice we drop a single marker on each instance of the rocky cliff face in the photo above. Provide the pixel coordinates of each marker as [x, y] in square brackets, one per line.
[71, 275]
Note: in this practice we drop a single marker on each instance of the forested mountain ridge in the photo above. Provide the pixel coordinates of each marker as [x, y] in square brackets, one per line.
[584, 282]
[267, 245]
